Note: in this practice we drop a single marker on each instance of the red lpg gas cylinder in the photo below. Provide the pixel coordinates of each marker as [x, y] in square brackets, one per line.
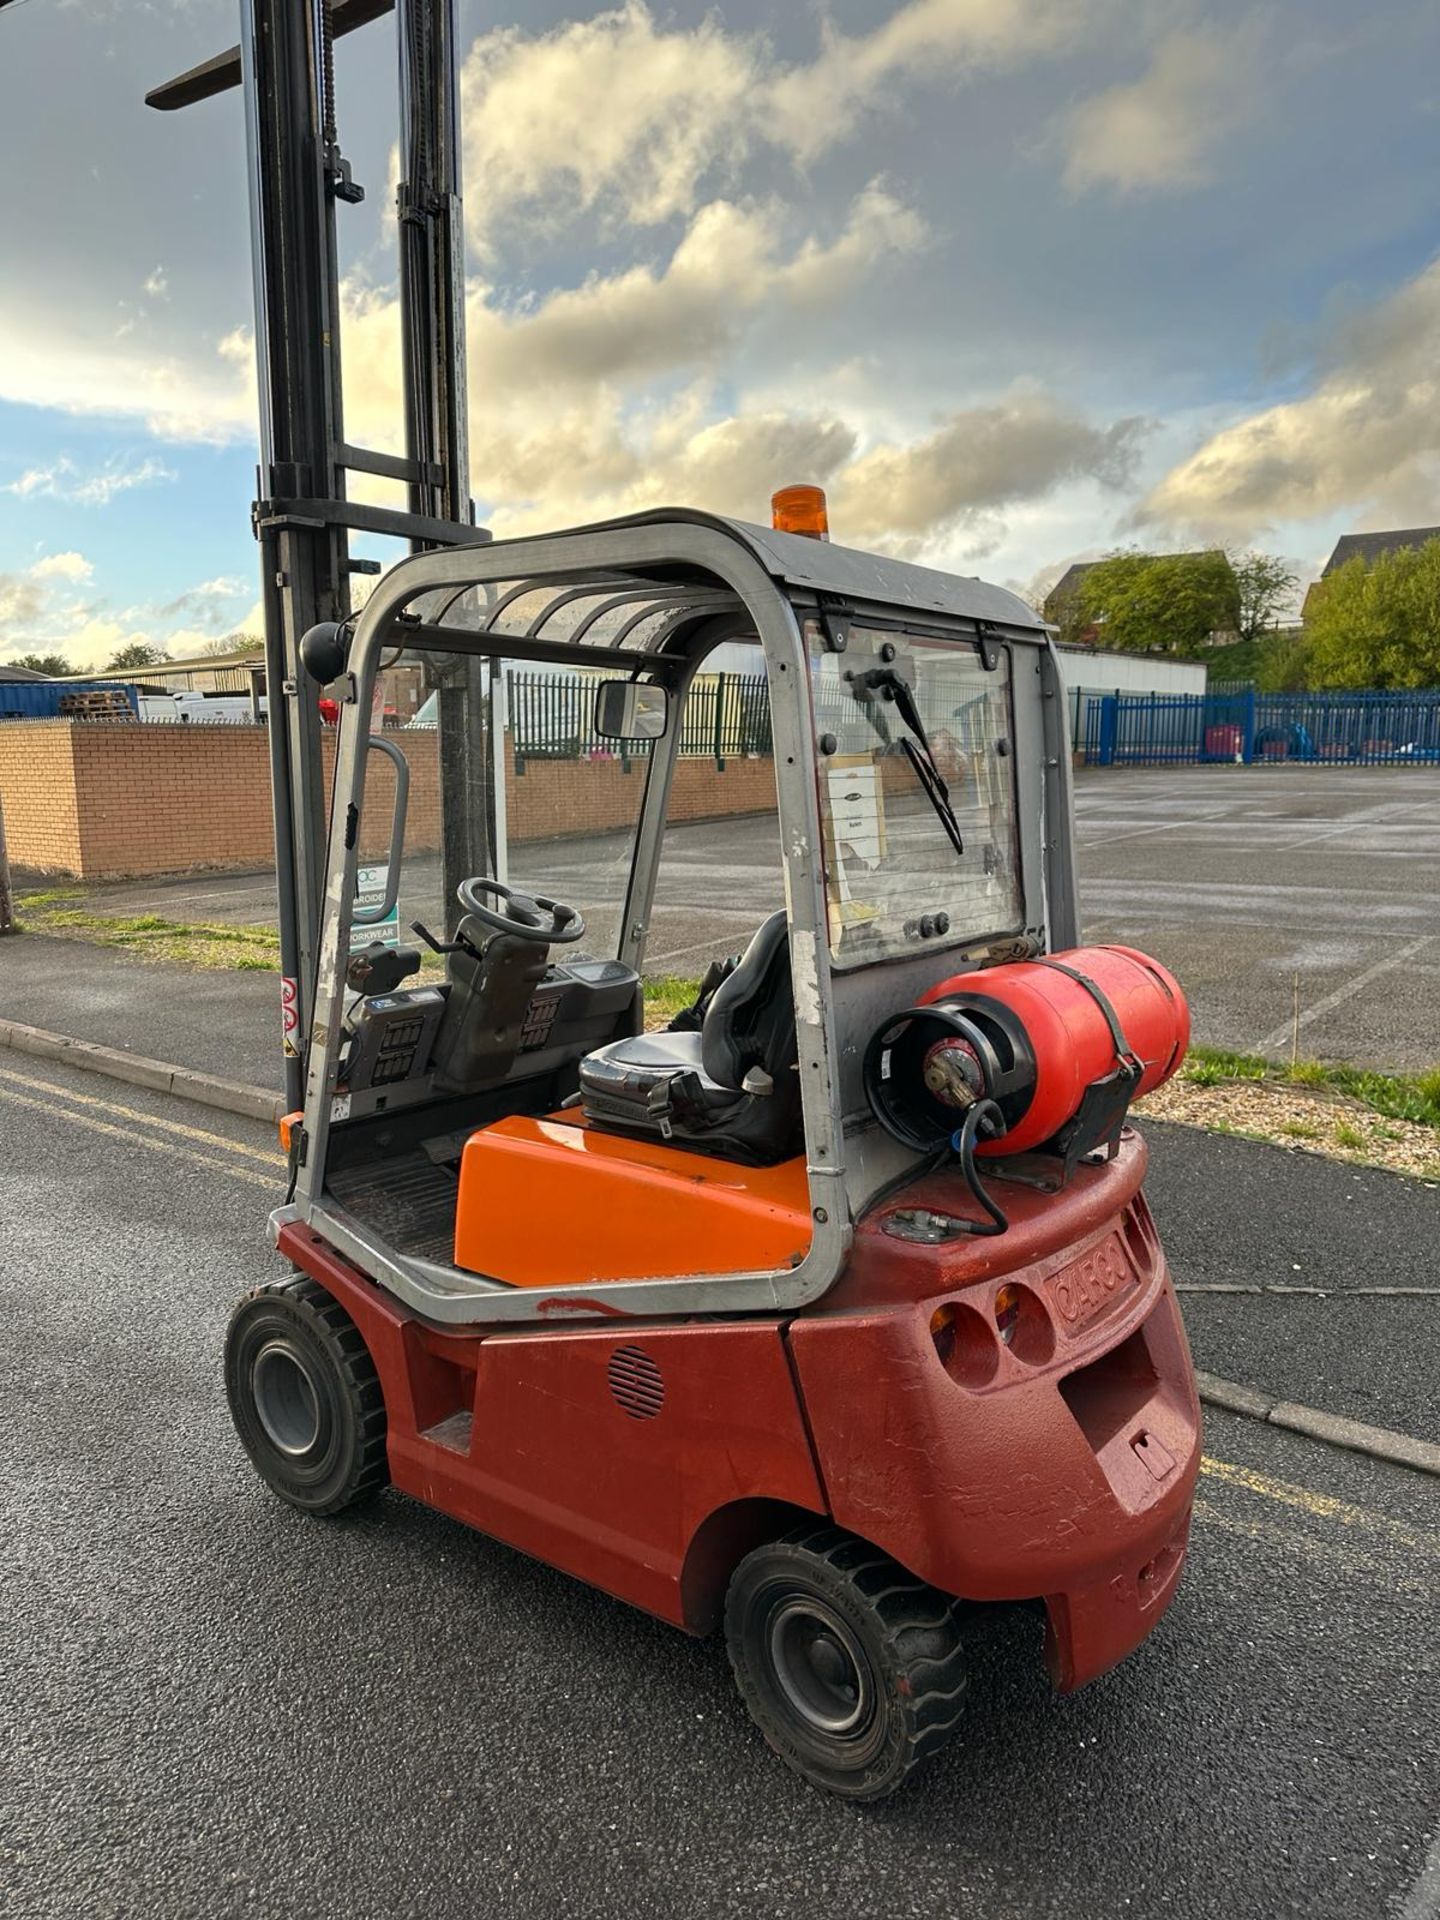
[1031, 1035]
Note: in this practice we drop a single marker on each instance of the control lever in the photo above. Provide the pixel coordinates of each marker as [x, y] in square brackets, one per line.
[458, 945]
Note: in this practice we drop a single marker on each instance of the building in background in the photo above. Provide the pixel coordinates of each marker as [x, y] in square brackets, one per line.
[1092, 672]
[1367, 547]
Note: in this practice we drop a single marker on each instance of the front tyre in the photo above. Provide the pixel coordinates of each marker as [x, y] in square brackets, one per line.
[851, 1668]
[305, 1397]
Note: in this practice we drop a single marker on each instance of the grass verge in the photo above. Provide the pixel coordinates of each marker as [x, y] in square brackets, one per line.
[1350, 1113]
[1389, 1120]
[1399, 1096]
[244, 949]
[665, 996]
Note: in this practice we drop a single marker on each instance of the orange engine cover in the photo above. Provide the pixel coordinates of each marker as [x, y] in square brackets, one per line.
[1067, 1029]
[554, 1203]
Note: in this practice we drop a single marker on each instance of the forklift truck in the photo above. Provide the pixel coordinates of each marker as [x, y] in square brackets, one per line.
[836, 1306]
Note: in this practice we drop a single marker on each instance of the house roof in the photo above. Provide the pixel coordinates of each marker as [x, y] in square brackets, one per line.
[11, 674]
[1071, 577]
[1369, 546]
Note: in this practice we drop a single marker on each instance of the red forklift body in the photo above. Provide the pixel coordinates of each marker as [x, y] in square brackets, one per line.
[1060, 1465]
[835, 1302]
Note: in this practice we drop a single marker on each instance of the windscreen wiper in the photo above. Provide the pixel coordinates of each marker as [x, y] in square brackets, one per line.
[891, 686]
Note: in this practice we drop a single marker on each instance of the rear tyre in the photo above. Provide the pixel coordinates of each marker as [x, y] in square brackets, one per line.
[305, 1397]
[851, 1668]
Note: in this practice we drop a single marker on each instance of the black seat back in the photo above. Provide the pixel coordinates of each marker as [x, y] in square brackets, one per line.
[750, 1021]
[689, 1088]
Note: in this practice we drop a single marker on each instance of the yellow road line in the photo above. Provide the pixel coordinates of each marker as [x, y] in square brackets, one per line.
[161, 1148]
[1320, 1506]
[1305, 1546]
[268, 1156]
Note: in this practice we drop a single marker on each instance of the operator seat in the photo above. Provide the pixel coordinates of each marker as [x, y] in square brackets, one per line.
[730, 1088]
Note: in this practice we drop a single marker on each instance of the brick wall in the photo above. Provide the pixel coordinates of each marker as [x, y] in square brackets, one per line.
[105, 801]
[37, 792]
[163, 799]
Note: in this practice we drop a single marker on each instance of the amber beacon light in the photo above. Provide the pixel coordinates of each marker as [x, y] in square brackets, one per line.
[800, 510]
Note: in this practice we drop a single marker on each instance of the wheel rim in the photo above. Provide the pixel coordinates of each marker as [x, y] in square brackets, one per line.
[820, 1667]
[285, 1399]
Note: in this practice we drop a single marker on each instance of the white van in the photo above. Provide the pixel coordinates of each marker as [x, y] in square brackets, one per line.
[204, 709]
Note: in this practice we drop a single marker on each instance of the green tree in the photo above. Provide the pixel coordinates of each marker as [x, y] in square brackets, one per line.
[1170, 602]
[247, 643]
[1265, 588]
[139, 653]
[1378, 625]
[54, 664]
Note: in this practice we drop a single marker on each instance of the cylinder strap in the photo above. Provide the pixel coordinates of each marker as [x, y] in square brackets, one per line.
[1124, 1052]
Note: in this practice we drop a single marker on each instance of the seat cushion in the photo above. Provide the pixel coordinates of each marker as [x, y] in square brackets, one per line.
[662, 1052]
[650, 1060]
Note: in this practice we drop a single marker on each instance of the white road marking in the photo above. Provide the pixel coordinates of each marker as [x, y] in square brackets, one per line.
[1398, 958]
[703, 946]
[1422, 1902]
[1170, 826]
[1357, 826]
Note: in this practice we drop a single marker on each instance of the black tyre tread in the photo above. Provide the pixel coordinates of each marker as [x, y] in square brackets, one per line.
[917, 1632]
[346, 1344]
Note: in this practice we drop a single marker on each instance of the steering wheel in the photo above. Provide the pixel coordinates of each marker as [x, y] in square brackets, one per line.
[546, 922]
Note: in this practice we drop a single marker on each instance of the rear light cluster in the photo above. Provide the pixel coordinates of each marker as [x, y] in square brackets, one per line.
[970, 1337]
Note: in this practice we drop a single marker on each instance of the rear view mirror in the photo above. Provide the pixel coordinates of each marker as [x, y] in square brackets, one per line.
[628, 710]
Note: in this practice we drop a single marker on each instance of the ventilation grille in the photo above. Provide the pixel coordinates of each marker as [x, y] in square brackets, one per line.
[636, 1382]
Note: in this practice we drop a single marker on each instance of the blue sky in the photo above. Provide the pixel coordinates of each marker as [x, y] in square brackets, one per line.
[1018, 280]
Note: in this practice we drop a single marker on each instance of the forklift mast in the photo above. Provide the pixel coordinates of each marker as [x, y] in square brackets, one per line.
[302, 519]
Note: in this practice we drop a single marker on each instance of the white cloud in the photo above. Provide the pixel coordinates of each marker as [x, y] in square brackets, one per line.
[63, 480]
[41, 611]
[641, 324]
[568, 115]
[621, 113]
[62, 566]
[206, 394]
[569, 421]
[1367, 438]
[156, 285]
[34, 599]
[906, 498]
[813, 108]
[1160, 132]
[210, 605]
[567, 357]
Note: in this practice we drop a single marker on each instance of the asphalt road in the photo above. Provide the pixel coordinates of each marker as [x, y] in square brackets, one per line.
[1259, 886]
[1233, 1212]
[213, 1707]
[1272, 892]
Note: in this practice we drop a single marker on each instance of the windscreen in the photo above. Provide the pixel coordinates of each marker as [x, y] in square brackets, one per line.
[917, 795]
[565, 827]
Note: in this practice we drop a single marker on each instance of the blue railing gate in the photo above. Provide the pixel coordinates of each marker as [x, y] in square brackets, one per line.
[1334, 729]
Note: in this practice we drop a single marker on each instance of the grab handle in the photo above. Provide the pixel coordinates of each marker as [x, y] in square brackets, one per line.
[368, 916]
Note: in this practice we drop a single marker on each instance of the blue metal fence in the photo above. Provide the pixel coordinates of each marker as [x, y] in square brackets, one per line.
[1337, 729]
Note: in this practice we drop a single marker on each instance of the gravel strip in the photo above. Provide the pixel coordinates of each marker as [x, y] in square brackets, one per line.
[1305, 1119]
